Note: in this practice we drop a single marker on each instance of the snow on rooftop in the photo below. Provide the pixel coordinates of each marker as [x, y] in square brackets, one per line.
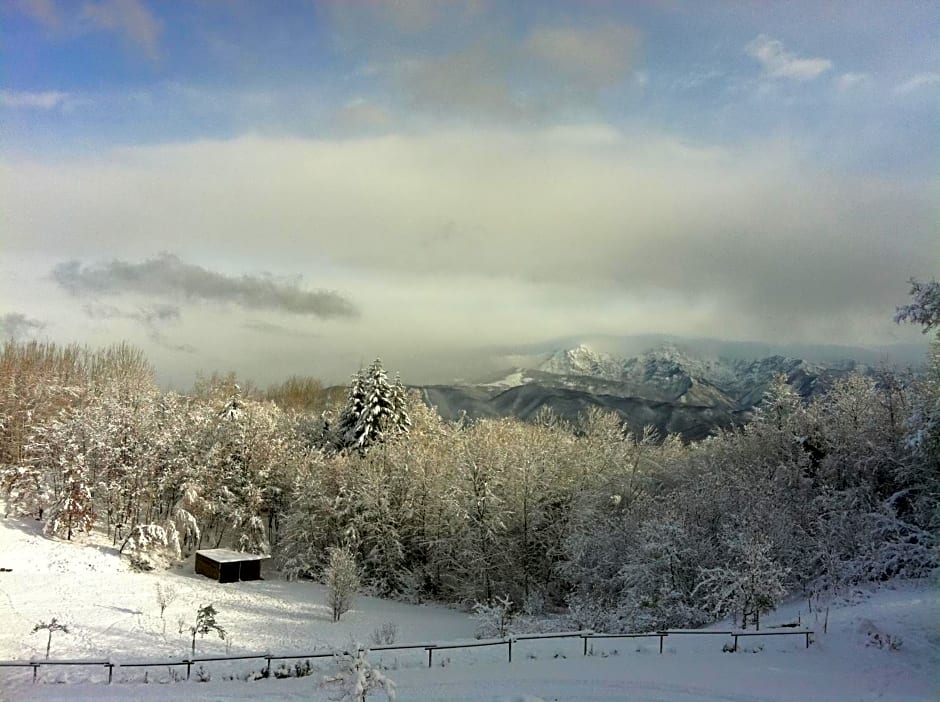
[224, 555]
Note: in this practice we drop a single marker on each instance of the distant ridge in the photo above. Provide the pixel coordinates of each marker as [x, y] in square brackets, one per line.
[670, 388]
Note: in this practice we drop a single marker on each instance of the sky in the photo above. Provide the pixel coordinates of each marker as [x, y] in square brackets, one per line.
[282, 188]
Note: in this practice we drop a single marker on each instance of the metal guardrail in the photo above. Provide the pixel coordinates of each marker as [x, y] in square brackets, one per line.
[428, 647]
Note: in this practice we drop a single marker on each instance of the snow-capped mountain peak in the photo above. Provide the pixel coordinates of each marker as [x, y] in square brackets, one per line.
[585, 361]
[670, 387]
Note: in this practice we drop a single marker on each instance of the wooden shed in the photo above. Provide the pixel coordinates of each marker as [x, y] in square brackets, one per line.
[228, 566]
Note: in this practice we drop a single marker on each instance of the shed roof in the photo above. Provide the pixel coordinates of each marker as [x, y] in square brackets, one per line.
[224, 555]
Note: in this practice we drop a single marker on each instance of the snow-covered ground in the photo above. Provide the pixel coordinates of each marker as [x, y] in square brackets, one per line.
[112, 613]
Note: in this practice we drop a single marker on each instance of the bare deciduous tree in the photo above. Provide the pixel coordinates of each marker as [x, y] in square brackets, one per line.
[342, 580]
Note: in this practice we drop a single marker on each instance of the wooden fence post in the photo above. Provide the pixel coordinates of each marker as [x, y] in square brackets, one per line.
[268, 657]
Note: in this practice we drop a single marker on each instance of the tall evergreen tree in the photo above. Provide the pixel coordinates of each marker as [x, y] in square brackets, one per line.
[352, 412]
[400, 403]
[375, 410]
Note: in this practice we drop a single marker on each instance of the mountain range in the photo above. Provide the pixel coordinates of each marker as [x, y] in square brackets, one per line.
[672, 389]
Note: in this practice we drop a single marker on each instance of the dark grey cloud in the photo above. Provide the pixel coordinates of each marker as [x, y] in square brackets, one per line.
[153, 318]
[168, 276]
[15, 325]
[154, 314]
[271, 328]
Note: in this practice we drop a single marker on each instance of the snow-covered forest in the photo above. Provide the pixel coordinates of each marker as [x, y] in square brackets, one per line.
[624, 531]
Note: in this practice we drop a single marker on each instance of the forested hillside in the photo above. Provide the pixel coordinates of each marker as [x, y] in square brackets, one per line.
[626, 530]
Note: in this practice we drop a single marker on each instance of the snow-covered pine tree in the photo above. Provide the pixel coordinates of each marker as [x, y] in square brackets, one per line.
[400, 406]
[352, 411]
[378, 416]
[375, 410]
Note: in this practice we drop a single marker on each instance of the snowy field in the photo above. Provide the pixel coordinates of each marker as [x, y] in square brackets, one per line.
[112, 613]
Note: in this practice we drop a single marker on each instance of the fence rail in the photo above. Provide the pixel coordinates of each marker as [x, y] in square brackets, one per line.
[808, 633]
[661, 635]
[586, 636]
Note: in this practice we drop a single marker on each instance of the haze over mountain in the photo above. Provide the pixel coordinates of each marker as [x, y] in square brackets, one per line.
[671, 388]
[301, 186]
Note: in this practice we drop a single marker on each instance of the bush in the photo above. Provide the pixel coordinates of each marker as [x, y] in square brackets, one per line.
[384, 635]
[355, 678]
[493, 619]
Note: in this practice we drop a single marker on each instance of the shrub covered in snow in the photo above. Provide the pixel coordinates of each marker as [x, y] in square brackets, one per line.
[493, 618]
[356, 678]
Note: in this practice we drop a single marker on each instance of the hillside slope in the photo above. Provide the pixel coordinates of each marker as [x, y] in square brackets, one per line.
[112, 613]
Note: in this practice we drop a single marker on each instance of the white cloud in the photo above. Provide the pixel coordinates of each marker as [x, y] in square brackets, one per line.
[571, 229]
[362, 115]
[131, 18]
[779, 63]
[850, 81]
[918, 81]
[48, 100]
